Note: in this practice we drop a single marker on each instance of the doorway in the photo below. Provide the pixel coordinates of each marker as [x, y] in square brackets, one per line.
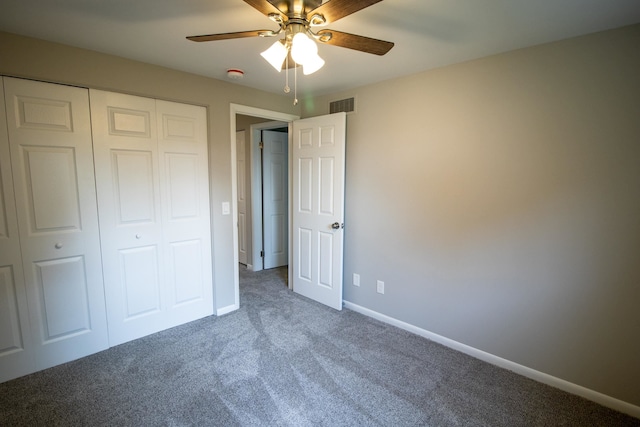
[317, 154]
[274, 169]
[262, 198]
[266, 115]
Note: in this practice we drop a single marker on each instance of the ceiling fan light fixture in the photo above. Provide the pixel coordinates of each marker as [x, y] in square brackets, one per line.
[312, 65]
[275, 55]
[302, 48]
[296, 20]
[304, 51]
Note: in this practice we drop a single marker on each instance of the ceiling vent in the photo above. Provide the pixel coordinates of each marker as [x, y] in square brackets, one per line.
[347, 105]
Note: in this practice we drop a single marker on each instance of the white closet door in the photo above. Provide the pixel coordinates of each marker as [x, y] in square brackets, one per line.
[152, 180]
[184, 176]
[125, 145]
[52, 161]
[16, 349]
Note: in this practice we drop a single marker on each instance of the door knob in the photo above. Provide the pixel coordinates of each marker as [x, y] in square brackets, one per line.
[58, 245]
[138, 236]
[335, 225]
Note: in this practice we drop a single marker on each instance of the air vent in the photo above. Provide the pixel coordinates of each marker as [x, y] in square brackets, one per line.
[347, 105]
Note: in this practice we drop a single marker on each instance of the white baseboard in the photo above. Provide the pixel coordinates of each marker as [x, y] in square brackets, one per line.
[227, 309]
[589, 394]
[250, 267]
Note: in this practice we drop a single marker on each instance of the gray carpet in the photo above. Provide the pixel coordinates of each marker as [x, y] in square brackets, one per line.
[283, 360]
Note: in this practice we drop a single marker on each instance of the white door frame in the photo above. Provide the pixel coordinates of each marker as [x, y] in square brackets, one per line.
[256, 112]
[256, 190]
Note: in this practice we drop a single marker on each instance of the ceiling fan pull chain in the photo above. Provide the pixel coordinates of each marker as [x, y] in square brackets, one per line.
[295, 86]
[287, 89]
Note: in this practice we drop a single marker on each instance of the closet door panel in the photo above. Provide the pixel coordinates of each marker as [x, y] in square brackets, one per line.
[11, 335]
[52, 161]
[16, 349]
[141, 284]
[133, 187]
[52, 190]
[182, 141]
[126, 158]
[187, 281]
[63, 293]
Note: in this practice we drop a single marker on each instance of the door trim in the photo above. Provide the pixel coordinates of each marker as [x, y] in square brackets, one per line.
[266, 114]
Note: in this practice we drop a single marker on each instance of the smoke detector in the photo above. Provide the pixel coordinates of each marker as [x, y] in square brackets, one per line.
[235, 73]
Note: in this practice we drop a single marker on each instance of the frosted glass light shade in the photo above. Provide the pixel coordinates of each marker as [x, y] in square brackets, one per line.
[275, 55]
[304, 51]
[313, 64]
[302, 48]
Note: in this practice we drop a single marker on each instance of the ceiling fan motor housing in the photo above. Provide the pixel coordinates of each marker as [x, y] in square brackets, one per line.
[296, 8]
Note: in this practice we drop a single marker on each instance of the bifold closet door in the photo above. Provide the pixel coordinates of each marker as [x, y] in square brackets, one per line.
[184, 173]
[125, 145]
[153, 198]
[49, 132]
[16, 349]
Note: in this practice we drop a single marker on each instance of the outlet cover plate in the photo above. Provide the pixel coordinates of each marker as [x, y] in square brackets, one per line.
[356, 279]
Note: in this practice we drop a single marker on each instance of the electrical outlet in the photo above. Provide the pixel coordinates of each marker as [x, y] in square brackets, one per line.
[380, 287]
[356, 279]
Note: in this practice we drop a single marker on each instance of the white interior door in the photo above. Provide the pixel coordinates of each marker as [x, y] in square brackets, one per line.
[256, 234]
[52, 160]
[318, 157]
[241, 164]
[275, 195]
[152, 181]
[186, 221]
[126, 158]
[16, 349]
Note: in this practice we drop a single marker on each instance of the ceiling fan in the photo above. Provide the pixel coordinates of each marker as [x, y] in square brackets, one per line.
[298, 17]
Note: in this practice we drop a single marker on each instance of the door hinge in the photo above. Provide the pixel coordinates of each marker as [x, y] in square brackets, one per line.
[261, 145]
[261, 254]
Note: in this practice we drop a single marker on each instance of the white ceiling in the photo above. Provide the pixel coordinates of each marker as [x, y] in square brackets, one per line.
[427, 33]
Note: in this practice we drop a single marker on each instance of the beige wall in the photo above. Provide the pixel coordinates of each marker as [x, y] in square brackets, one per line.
[499, 200]
[36, 59]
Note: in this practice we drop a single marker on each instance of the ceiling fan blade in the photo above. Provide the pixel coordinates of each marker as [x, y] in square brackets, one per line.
[337, 9]
[352, 41]
[264, 6]
[226, 36]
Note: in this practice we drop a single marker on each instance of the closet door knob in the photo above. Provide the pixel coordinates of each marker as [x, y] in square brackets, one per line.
[58, 245]
[138, 236]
